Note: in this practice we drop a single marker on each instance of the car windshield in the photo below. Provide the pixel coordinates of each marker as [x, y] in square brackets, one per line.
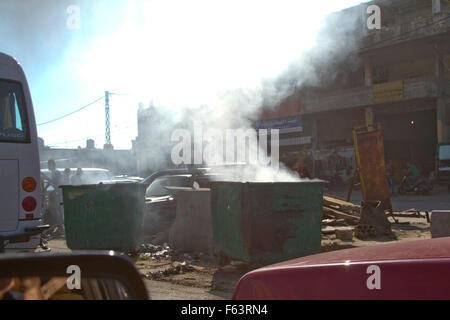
[86, 177]
[157, 188]
[13, 116]
[444, 152]
[95, 176]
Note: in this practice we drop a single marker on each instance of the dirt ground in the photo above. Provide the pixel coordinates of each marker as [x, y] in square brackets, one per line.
[178, 276]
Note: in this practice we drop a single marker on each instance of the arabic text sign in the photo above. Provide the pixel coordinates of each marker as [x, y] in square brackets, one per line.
[280, 123]
[390, 91]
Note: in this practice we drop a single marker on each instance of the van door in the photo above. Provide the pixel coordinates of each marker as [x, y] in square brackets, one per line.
[9, 195]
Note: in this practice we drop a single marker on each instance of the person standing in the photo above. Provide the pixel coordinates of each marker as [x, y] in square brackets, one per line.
[77, 179]
[66, 177]
[412, 173]
[55, 175]
[390, 169]
[55, 197]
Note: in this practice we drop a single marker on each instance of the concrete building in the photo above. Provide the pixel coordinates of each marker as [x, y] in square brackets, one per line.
[153, 144]
[119, 162]
[401, 79]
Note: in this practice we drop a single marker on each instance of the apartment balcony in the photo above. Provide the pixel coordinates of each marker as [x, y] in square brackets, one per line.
[364, 96]
[418, 28]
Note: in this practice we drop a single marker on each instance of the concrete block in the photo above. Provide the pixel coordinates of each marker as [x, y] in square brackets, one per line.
[192, 228]
[440, 223]
[344, 234]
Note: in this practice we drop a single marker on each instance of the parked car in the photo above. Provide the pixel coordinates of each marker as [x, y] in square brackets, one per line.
[405, 270]
[148, 180]
[127, 179]
[442, 173]
[89, 176]
[160, 197]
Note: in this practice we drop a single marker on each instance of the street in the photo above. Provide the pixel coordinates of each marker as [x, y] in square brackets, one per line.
[205, 279]
[439, 199]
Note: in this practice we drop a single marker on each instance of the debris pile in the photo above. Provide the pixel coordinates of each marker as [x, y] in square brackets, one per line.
[368, 220]
[154, 252]
[339, 217]
[337, 208]
[175, 268]
[373, 222]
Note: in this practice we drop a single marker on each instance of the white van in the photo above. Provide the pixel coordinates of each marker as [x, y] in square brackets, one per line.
[20, 203]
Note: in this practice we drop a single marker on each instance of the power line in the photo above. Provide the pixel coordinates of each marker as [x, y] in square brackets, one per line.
[71, 113]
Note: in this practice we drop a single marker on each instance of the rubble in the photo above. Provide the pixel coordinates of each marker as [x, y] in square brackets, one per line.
[374, 222]
[175, 268]
[344, 234]
[341, 210]
[154, 252]
[341, 205]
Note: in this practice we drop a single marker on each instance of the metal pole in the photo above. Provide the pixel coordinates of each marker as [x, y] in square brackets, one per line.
[107, 123]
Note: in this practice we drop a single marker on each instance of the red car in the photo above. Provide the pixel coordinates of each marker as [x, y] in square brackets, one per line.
[407, 270]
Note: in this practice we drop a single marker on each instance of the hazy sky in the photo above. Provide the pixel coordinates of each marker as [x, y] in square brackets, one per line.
[175, 52]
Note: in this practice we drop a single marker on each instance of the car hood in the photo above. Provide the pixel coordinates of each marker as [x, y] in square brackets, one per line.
[407, 270]
[419, 249]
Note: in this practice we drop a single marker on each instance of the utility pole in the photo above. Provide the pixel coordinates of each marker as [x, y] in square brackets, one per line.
[107, 122]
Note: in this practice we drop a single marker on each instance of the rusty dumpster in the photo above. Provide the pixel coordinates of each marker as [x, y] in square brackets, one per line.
[265, 223]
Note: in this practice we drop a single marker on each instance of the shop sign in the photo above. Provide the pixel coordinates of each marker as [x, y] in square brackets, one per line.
[281, 123]
[389, 91]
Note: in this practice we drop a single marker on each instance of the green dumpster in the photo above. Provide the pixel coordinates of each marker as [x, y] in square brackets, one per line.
[104, 216]
[266, 222]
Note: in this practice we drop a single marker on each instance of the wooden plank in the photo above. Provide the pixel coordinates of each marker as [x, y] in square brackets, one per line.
[334, 197]
[333, 201]
[341, 205]
[339, 215]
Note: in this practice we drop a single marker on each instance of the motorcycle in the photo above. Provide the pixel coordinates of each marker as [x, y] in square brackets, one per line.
[420, 186]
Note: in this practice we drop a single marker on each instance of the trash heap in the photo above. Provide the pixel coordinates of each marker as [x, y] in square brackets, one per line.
[175, 268]
[154, 252]
[345, 219]
[179, 263]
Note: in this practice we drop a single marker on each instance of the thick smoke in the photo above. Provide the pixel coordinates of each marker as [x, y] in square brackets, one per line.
[336, 48]
[40, 35]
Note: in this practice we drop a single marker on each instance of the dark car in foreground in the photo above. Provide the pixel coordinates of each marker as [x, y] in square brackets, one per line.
[84, 275]
[406, 270]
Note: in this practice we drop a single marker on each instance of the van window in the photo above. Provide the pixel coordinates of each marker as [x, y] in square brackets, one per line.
[13, 116]
[444, 152]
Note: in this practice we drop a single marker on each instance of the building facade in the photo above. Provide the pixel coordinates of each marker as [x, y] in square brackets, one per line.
[401, 80]
[119, 162]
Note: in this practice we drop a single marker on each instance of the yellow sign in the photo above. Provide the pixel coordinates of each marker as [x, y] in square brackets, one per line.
[389, 91]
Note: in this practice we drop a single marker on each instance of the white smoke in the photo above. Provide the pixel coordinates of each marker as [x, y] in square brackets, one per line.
[224, 57]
